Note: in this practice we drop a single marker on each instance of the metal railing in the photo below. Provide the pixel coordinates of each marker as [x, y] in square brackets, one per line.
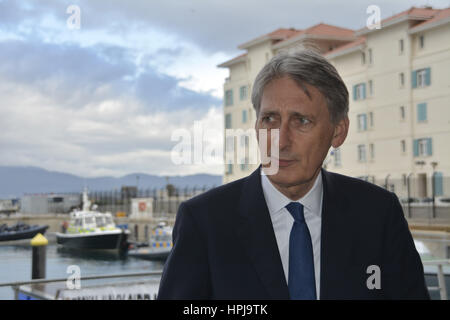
[15, 285]
[442, 288]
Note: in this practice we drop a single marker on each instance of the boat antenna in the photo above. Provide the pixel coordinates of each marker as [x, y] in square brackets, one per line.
[86, 202]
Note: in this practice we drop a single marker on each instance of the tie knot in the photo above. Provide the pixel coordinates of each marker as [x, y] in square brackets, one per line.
[296, 210]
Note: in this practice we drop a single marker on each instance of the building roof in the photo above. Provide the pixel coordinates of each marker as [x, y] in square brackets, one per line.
[427, 18]
[412, 13]
[321, 30]
[240, 58]
[346, 48]
[329, 30]
[277, 35]
[441, 17]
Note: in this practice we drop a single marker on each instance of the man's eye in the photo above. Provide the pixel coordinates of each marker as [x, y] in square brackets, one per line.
[303, 121]
[267, 119]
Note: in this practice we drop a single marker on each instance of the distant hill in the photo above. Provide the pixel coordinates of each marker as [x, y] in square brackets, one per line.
[16, 181]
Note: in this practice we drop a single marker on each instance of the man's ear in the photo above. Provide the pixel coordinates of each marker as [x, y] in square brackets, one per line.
[340, 132]
[256, 128]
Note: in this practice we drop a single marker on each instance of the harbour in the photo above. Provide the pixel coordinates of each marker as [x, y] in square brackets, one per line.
[77, 267]
[112, 274]
[16, 265]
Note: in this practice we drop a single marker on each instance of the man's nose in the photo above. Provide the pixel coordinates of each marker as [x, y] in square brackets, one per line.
[285, 136]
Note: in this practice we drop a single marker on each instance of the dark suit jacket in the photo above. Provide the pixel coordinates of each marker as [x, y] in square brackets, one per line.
[225, 246]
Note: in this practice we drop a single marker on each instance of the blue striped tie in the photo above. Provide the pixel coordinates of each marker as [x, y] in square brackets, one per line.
[301, 283]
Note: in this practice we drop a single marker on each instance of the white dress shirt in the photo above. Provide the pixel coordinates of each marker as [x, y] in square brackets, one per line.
[282, 221]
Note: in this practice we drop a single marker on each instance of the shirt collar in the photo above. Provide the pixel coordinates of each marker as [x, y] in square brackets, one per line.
[276, 200]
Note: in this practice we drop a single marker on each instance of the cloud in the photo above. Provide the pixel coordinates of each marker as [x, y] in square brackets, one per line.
[115, 137]
[75, 76]
[106, 98]
[91, 110]
[213, 25]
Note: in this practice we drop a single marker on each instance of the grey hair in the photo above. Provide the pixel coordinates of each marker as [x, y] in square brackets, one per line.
[305, 66]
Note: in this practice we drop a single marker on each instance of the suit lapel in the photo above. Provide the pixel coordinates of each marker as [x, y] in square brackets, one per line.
[255, 230]
[336, 242]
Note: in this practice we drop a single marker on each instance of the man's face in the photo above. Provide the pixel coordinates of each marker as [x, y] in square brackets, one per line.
[305, 130]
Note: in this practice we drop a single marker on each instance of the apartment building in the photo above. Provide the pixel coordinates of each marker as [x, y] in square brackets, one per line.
[398, 78]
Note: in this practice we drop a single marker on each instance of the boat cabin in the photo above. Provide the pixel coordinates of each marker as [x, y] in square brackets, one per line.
[85, 221]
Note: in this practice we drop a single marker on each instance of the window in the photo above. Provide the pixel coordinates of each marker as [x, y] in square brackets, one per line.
[361, 153]
[363, 58]
[359, 91]
[245, 140]
[229, 98]
[243, 92]
[423, 143]
[400, 44]
[402, 79]
[88, 220]
[372, 151]
[228, 123]
[362, 122]
[244, 165]
[229, 168]
[438, 184]
[423, 147]
[99, 222]
[421, 112]
[421, 78]
[244, 116]
[403, 146]
[109, 220]
[267, 57]
[229, 144]
[337, 157]
[371, 119]
[421, 41]
[402, 113]
[370, 88]
[370, 56]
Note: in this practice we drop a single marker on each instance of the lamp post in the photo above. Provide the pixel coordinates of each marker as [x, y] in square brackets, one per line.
[409, 192]
[386, 182]
[433, 190]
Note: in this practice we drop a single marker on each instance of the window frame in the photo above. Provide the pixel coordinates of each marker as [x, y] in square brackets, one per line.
[362, 156]
[229, 97]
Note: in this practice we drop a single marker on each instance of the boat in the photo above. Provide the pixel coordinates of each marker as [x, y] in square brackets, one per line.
[90, 229]
[20, 231]
[159, 246]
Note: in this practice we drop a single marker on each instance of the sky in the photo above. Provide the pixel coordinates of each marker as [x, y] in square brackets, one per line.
[104, 99]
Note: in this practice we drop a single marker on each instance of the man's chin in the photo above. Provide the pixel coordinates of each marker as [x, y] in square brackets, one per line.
[285, 176]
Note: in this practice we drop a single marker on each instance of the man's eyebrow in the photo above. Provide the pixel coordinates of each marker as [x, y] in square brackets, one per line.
[269, 113]
[298, 114]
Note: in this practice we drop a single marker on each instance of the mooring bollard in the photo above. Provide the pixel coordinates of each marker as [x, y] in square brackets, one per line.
[39, 244]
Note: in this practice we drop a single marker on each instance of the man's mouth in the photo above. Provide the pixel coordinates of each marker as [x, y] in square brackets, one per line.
[282, 163]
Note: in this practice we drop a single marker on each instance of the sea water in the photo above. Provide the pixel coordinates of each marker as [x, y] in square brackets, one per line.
[15, 264]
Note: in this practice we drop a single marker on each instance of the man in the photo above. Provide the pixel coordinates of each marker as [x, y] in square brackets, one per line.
[302, 232]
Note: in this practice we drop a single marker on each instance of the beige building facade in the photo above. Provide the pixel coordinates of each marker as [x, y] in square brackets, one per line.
[398, 79]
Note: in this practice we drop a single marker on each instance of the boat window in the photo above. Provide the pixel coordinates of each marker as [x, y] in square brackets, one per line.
[164, 237]
[88, 220]
[77, 222]
[100, 222]
[109, 220]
